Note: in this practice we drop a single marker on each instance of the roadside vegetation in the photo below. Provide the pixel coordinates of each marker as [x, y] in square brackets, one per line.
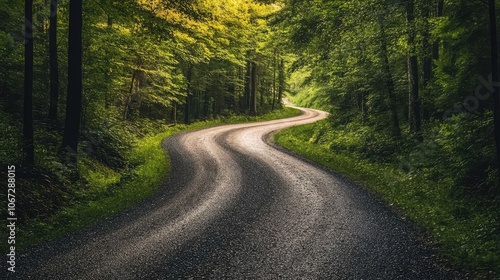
[101, 191]
[412, 91]
[86, 86]
[463, 225]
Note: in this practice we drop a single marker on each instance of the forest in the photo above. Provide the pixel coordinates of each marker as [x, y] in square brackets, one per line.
[89, 88]
[84, 81]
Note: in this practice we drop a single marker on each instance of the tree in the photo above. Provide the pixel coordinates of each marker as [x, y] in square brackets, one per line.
[495, 78]
[54, 67]
[74, 95]
[414, 102]
[28, 145]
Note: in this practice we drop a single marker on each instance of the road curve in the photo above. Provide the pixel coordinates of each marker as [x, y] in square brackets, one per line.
[235, 207]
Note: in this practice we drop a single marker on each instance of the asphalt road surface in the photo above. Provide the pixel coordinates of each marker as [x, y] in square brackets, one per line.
[236, 207]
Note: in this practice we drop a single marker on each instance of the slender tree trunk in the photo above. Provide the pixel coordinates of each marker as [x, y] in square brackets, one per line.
[74, 98]
[174, 113]
[389, 84]
[107, 72]
[439, 13]
[189, 72]
[427, 61]
[495, 78]
[253, 90]
[54, 66]
[415, 120]
[129, 96]
[274, 81]
[281, 80]
[248, 86]
[28, 144]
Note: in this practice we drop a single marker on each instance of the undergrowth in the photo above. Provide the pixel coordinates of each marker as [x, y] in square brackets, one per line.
[117, 168]
[463, 225]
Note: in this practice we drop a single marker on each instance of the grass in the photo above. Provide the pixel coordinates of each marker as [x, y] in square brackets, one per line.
[466, 230]
[107, 192]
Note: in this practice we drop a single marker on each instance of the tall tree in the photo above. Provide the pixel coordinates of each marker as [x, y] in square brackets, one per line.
[414, 102]
[54, 67]
[253, 89]
[28, 145]
[281, 79]
[74, 95]
[389, 81]
[495, 78]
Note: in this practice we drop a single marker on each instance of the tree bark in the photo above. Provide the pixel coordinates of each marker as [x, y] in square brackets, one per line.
[415, 118]
[74, 97]
[189, 73]
[129, 96]
[253, 89]
[28, 144]
[389, 83]
[439, 13]
[248, 86]
[54, 66]
[174, 113]
[281, 80]
[427, 61]
[274, 81]
[495, 79]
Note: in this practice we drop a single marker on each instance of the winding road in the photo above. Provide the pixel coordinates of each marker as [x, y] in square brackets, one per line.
[237, 207]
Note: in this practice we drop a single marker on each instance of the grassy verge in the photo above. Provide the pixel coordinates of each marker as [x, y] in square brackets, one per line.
[465, 229]
[107, 192]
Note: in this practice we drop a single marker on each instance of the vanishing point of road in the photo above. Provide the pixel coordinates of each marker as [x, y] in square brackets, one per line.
[237, 207]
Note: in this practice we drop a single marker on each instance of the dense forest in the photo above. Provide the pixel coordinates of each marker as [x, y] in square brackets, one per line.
[412, 87]
[82, 81]
[410, 84]
[407, 82]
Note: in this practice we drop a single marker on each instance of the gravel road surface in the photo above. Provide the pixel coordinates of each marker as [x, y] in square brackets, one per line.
[236, 207]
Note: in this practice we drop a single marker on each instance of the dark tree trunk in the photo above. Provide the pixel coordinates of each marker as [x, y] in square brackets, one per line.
[187, 111]
[54, 66]
[253, 90]
[281, 80]
[129, 97]
[415, 118]
[389, 83]
[28, 145]
[174, 113]
[495, 79]
[248, 86]
[439, 13]
[74, 98]
[427, 62]
[274, 81]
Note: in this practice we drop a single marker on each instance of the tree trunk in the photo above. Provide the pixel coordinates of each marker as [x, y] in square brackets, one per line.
[248, 86]
[274, 81]
[74, 98]
[415, 119]
[439, 13]
[174, 113]
[281, 80]
[427, 61]
[54, 66]
[129, 96]
[389, 83]
[189, 73]
[28, 145]
[253, 90]
[495, 79]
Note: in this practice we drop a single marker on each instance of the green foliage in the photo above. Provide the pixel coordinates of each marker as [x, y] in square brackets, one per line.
[146, 65]
[104, 191]
[465, 228]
